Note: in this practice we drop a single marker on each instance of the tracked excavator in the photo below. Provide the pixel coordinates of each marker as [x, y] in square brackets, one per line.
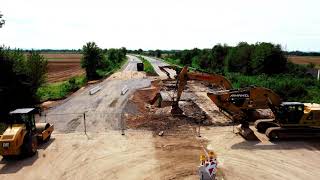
[292, 119]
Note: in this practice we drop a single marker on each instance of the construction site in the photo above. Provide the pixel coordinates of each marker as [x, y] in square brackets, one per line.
[169, 126]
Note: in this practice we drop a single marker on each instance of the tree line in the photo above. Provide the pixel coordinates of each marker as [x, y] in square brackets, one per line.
[245, 58]
[300, 53]
[99, 62]
[261, 64]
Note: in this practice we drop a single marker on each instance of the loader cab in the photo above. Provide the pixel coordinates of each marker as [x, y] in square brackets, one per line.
[23, 116]
[290, 112]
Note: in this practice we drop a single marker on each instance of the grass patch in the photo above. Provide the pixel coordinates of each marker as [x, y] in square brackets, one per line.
[172, 62]
[148, 68]
[60, 90]
[111, 69]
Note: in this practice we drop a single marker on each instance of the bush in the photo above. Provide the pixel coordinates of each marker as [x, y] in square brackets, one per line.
[289, 88]
[20, 77]
[148, 68]
[99, 63]
[93, 59]
[60, 90]
[267, 58]
[239, 58]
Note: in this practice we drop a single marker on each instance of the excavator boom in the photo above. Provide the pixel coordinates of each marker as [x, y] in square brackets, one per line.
[184, 76]
[237, 101]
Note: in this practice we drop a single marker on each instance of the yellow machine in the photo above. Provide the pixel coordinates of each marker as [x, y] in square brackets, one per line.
[292, 120]
[22, 134]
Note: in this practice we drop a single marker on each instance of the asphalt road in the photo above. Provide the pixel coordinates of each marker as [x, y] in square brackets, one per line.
[101, 111]
[156, 63]
[132, 63]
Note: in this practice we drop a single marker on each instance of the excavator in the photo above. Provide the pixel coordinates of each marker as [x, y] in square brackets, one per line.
[292, 119]
[22, 134]
[216, 80]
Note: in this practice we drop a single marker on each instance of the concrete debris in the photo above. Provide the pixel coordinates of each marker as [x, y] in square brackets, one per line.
[94, 90]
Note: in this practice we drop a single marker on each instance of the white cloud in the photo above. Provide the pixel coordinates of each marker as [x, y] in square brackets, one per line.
[163, 24]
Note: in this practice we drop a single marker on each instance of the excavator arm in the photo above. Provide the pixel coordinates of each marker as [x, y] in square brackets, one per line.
[184, 76]
[238, 101]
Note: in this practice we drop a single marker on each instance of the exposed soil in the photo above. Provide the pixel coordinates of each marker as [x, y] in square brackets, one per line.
[62, 56]
[305, 60]
[63, 69]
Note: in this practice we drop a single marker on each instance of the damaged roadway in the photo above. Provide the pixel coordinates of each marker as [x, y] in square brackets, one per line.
[103, 153]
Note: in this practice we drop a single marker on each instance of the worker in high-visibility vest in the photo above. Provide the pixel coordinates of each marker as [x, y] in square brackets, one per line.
[208, 167]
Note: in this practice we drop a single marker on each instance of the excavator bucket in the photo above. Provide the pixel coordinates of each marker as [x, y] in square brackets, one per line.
[246, 133]
[176, 110]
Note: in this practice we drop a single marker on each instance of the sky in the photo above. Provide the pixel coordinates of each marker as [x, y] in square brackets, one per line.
[159, 24]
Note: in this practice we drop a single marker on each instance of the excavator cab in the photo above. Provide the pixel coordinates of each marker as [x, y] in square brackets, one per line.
[290, 112]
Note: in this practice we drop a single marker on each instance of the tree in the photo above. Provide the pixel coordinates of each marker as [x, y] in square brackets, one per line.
[36, 69]
[2, 21]
[219, 54]
[239, 58]
[267, 58]
[157, 53]
[20, 78]
[92, 59]
[311, 65]
[123, 51]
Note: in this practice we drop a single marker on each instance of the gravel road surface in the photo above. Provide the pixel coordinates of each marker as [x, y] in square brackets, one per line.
[100, 111]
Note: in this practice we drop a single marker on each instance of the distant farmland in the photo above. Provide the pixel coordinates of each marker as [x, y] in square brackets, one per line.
[63, 66]
[305, 60]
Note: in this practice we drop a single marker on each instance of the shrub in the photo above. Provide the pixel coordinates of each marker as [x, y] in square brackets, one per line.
[20, 77]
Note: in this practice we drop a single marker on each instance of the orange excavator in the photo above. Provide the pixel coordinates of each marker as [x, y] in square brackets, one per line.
[238, 103]
[216, 80]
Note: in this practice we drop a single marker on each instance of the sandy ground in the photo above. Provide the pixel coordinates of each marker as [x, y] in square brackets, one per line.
[137, 155]
[142, 155]
[241, 159]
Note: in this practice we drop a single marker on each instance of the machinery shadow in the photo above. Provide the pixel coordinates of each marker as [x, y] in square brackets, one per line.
[14, 164]
[311, 144]
[46, 144]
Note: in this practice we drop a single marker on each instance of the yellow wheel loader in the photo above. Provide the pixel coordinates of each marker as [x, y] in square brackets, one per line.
[22, 134]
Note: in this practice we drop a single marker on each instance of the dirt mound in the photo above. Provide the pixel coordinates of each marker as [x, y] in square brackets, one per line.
[125, 75]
